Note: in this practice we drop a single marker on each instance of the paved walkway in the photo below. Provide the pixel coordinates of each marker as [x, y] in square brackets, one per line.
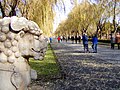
[87, 71]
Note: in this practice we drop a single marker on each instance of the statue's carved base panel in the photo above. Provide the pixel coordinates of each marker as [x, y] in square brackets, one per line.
[20, 39]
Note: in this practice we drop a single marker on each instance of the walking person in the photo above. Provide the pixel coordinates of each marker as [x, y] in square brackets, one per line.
[94, 43]
[85, 42]
[79, 39]
[118, 39]
[58, 39]
[76, 39]
[72, 38]
[113, 39]
[50, 39]
[61, 38]
[66, 38]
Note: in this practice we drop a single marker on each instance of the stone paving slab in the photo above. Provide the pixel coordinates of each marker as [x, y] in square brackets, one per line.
[86, 71]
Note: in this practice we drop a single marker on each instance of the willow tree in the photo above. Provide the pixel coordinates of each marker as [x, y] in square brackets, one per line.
[39, 11]
[99, 17]
[42, 11]
[81, 16]
[114, 8]
[85, 16]
[107, 9]
[9, 7]
[64, 28]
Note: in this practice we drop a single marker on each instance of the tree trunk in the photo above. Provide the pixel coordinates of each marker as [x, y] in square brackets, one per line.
[13, 12]
[2, 10]
[114, 17]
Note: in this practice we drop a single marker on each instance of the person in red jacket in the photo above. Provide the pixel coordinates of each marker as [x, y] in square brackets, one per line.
[58, 39]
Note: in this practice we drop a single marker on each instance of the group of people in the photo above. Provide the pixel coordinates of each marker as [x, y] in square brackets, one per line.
[85, 42]
[76, 38]
[94, 43]
[59, 39]
[115, 39]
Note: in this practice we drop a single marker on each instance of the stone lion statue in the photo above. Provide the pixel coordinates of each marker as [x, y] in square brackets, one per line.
[20, 39]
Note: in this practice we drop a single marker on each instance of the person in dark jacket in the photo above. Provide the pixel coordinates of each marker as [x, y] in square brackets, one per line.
[85, 42]
[113, 39]
[76, 39]
[72, 38]
[79, 39]
[94, 43]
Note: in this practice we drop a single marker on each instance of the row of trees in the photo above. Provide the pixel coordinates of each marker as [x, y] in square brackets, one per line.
[40, 11]
[98, 17]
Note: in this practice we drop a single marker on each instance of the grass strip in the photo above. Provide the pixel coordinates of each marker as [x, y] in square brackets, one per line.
[47, 67]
